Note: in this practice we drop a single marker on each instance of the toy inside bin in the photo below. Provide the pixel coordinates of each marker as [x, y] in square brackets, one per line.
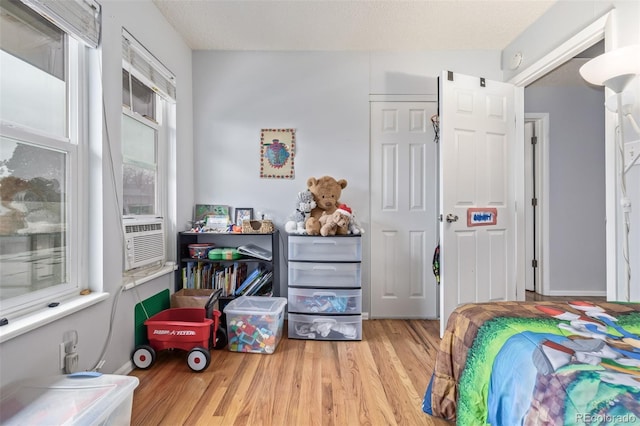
[254, 323]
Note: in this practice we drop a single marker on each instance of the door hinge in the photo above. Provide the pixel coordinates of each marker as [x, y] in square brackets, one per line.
[534, 202]
[534, 263]
[534, 140]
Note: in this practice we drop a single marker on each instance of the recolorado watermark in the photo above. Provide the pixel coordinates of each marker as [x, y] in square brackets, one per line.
[629, 418]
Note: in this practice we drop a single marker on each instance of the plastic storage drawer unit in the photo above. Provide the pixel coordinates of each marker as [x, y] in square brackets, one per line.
[312, 274]
[86, 399]
[325, 249]
[325, 327]
[254, 323]
[328, 301]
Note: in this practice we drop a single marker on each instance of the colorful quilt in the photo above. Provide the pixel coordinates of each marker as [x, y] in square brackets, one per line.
[538, 363]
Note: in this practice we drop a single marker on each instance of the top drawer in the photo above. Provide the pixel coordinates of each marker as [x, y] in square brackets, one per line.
[331, 249]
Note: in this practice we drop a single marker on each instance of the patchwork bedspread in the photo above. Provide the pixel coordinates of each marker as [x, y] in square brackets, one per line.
[538, 363]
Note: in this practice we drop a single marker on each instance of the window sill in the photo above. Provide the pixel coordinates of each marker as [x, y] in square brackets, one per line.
[145, 275]
[37, 319]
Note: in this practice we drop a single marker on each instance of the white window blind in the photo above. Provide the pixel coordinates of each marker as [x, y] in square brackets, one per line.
[79, 18]
[145, 67]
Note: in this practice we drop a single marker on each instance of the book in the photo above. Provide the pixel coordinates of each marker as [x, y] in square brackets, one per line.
[262, 279]
[263, 282]
[255, 251]
[251, 278]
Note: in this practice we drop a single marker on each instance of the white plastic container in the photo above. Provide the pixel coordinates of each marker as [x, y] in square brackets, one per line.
[333, 275]
[346, 248]
[325, 327]
[254, 323]
[86, 399]
[325, 301]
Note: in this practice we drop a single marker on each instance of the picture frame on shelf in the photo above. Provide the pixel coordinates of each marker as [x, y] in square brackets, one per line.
[243, 213]
[202, 211]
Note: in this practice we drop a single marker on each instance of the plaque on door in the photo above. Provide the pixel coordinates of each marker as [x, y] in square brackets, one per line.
[482, 216]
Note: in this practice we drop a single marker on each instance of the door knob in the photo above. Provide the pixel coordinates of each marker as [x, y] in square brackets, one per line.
[452, 218]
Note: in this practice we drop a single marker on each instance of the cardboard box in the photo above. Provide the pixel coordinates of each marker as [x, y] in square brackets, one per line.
[192, 298]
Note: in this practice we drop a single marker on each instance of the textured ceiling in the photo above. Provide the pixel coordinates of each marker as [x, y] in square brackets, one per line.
[363, 25]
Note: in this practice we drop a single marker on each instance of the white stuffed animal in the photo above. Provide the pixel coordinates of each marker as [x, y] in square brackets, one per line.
[305, 203]
[354, 225]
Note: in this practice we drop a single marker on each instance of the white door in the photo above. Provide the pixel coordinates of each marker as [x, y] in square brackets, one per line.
[477, 137]
[403, 210]
[530, 173]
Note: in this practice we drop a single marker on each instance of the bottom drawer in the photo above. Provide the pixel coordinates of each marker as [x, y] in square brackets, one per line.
[325, 327]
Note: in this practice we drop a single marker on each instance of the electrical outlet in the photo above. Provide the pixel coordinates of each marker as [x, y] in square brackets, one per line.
[631, 151]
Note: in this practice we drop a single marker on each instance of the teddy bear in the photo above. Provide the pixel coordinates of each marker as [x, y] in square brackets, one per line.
[326, 193]
[304, 204]
[336, 222]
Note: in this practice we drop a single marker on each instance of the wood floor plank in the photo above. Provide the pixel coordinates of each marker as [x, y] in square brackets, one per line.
[380, 380]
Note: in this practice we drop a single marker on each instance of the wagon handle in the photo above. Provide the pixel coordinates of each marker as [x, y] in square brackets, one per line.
[212, 299]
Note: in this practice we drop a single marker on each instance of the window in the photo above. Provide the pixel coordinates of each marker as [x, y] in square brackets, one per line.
[148, 105]
[41, 151]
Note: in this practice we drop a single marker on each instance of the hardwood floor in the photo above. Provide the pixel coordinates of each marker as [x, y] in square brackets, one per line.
[378, 381]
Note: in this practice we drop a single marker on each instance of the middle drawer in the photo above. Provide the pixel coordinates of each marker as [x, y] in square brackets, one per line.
[311, 274]
[326, 301]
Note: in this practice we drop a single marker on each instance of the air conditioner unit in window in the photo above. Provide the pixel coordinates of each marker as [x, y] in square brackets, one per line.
[144, 242]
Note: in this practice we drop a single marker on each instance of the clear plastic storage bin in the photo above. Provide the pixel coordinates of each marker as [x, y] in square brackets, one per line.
[86, 399]
[254, 323]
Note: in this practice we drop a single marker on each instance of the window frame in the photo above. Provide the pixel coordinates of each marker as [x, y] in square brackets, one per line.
[140, 63]
[76, 206]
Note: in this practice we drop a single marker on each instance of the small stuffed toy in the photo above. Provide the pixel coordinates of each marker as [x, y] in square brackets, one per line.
[336, 222]
[355, 227]
[305, 203]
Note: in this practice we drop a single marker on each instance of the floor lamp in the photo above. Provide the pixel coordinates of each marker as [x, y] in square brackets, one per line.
[615, 70]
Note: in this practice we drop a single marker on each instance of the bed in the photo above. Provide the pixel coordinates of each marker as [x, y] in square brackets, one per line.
[538, 363]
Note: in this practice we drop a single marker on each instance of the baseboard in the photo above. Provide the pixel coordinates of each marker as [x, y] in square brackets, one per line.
[125, 369]
[577, 293]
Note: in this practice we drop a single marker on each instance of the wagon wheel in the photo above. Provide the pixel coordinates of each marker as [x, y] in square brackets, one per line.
[221, 339]
[198, 359]
[143, 356]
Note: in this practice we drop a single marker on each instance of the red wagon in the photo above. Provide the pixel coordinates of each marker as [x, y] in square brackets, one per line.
[190, 329]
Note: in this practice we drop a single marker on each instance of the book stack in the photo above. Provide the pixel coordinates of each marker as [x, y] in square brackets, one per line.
[257, 283]
[214, 276]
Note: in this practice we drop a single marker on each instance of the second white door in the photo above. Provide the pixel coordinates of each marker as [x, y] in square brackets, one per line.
[403, 210]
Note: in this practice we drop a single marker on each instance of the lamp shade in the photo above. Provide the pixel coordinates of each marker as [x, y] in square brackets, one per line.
[614, 69]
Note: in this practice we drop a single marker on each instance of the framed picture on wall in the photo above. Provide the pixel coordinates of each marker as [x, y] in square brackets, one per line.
[243, 213]
[277, 151]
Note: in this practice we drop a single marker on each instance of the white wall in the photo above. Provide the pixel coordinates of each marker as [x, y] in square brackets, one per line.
[36, 353]
[325, 97]
[561, 22]
[576, 224]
